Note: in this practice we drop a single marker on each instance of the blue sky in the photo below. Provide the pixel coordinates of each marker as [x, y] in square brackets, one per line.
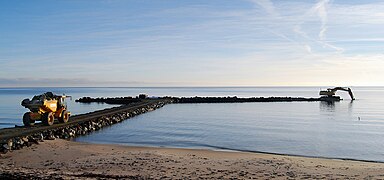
[191, 43]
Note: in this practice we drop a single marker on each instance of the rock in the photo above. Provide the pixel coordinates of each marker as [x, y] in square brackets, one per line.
[39, 137]
[290, 174]
[50, 137]
[33, 140]
[6, 146]
[9, 144]
[25, 139]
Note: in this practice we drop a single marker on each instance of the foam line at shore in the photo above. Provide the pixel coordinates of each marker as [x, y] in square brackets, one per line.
[292, 155]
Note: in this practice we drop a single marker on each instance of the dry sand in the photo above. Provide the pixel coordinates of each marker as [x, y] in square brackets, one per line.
[72, 160]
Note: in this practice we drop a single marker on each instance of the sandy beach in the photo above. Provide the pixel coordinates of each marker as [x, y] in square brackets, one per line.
[73, 160]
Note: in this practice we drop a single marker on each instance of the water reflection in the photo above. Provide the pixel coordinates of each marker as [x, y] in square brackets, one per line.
[328, 106]
[350, 104]
[331, 106]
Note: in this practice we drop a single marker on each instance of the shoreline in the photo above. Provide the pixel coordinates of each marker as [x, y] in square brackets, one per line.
[69, 159]
[220, 149]
[304, 156]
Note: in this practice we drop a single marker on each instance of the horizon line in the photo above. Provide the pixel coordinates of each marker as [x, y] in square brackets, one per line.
[260, 86]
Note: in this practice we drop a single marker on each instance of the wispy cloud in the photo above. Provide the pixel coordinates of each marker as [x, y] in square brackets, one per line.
[321, 9]
[268, 6]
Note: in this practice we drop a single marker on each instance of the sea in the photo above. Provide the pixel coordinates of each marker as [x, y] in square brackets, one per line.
[344, 130]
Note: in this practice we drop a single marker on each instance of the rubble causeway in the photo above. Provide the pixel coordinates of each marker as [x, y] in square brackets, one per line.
[19, 137]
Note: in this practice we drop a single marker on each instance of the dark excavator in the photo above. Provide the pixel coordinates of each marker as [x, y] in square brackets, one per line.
[330, 92]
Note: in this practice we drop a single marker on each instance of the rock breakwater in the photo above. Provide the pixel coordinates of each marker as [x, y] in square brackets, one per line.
[80, 125]
[241, 100]
[117, 100]
[234, 99]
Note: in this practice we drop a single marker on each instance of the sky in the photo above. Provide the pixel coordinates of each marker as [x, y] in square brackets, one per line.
[134, 43]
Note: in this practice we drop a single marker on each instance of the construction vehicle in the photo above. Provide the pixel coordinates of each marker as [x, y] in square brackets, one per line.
[330, 93]
[46, 108]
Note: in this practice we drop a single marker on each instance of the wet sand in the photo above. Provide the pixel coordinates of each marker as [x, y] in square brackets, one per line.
[73, 160]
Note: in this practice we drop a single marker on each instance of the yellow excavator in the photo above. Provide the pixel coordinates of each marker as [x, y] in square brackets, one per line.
[46, 108]
[330, 92]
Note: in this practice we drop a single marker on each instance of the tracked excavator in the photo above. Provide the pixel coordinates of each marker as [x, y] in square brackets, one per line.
[330, 93]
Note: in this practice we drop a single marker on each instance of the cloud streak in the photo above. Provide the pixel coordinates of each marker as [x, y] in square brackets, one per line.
[321, 9]
[268, 6]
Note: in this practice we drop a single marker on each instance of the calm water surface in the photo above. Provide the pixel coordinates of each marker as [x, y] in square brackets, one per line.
[340, 130]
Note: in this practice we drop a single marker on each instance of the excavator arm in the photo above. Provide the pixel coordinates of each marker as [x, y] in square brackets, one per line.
[345, 89]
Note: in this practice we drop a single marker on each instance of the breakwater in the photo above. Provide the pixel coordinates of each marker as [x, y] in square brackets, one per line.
[116, 100]
[234, 99]
[19, 137]
[252, 99]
